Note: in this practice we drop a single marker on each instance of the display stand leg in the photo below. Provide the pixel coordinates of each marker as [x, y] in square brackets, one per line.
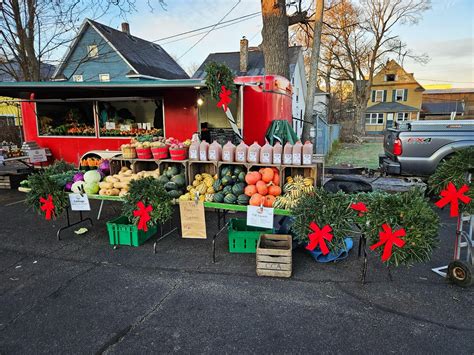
[69, 224]
[100, 209]
[362, 243]
[214, 242]
[161, 236]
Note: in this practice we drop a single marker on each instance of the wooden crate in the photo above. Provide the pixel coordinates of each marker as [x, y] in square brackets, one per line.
[199, 167]
[11, 180]
[144, 165]
[117, 163]
[222, 164]
[303, 170]
[256, 167]
[274, 255]
[165, 163]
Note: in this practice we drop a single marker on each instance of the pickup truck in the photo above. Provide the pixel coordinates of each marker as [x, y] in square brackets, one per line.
[416, 148]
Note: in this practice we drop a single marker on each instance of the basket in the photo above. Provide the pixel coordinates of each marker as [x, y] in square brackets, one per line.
[160, 152]
[129, 152]
[144, 153]
[243, 238]
[121, 232]
[178, 154]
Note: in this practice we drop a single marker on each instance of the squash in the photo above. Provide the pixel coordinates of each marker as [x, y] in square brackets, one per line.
[256, 200]
[115, 192]
[276, 179]
[268, 200]
[250, 190]
[219, 197]
[102, 192]
[111, 179]
[267, 174]
[238, 188]
[274, 190]
[243, 199]
[262, 188]
[230, 198]
[106, 185]
[252, 177]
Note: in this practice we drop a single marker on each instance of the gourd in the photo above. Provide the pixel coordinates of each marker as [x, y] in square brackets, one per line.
[262, 188]
[243, 199]
[250, 190]
[267, 175]
[230, 198]
[269, 200]
[256, 200]
[252, 177]
[274, 190]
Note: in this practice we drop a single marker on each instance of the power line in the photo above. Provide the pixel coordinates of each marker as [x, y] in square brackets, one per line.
[448, 81]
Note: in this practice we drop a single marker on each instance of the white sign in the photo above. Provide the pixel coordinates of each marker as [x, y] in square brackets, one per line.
[79, 202]
[2, 158]
[125, 127]
[37, 155]
[260, 217]
[109, 125]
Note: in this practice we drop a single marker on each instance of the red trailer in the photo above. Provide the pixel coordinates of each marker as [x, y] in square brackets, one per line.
[72, 118]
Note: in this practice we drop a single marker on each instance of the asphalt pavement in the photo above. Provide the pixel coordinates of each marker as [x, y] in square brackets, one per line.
[79, 295]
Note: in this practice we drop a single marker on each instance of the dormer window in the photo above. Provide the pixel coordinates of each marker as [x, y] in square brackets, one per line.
[92, 51]
[390, 77]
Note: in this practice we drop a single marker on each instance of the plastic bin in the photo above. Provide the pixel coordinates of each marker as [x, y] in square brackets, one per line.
[121, 232]
[243, 238]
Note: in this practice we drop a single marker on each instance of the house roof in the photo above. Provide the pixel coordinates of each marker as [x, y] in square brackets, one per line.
[256, 62]
[442, 108]
[450, 91]
[391, 107]
[46, 71]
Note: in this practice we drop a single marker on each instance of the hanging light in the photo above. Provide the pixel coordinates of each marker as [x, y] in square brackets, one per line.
[200, 101]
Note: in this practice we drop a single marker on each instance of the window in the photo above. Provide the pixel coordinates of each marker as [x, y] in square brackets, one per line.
[77, 78]
[403, 116]
[379, 96]
[104, 77]
[65, 119]
[297, 93]
[374, 118]
[399, 94]
[92, 51]
[390, 77]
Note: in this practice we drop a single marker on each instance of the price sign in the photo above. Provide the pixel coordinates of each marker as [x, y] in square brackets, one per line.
[193, 220]
[37, 155]
[125, 127]
[260, 217]
[79, 202]
[109, 125]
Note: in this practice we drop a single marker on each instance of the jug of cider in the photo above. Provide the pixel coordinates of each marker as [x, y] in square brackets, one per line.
[253, 153]
[288, 153]
[241, 153]
[228, 152]
[277, 150]
[266, 153]
[203, 150]
[307, 153]
[297, 150]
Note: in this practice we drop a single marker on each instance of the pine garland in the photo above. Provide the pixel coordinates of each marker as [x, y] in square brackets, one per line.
[218, 74]
[41, 185]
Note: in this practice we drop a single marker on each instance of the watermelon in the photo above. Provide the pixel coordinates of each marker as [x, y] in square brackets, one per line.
[243, 199]
[217, 185]
[171, 186]
[219, 197]
[227, 190]
[163, 179]
[241, 176]
[238, 188]
[230, 198]
[175, 193]
[179, 180]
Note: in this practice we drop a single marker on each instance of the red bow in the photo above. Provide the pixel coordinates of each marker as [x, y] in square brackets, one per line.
[360, 207]
[317, 238]
[389, 238]
[451, 195]
[225, 98]
[144, 214]
[47, 206]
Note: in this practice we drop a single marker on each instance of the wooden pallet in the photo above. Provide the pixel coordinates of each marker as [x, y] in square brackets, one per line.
[274, 255]
[11, 181]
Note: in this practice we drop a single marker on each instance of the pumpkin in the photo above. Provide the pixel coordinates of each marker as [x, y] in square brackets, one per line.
[275, 170]
[252, 177]
[274, 190]
[267, 174]
[256, 200]
[261, 170]
[250, 190]
[276, 179]
[268, 200]
[262, 188]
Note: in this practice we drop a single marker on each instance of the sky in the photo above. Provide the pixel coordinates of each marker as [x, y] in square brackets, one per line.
[446, 34]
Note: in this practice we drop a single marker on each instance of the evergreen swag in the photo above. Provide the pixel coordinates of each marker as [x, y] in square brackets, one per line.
[151, 192]
[218, 74]
[41, 185]
[409, 210]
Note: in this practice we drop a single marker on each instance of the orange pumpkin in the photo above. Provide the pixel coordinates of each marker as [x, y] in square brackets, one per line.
[274, 190]
[267, 174]
[252, 177]
[276, 179]
[269, 200]
[275, 170]
[256, 200]
[261, 170]
[262, 188]
[250, 190]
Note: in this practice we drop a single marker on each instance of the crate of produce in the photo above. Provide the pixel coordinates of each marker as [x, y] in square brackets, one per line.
[144, 153]
[179, 154]
[243, 238]
[306, 171]
[273, 254]
[121, 232]
[160, 152]
[200, 167]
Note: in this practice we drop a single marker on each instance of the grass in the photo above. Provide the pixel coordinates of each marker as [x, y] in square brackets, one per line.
[360, 155]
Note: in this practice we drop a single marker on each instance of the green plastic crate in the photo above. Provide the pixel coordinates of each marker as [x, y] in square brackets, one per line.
[244, 238]
[121, 232]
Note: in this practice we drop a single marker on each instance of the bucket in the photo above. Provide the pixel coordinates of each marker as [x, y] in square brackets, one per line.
[160, 152]
[178, 154]
[129, 152]
[144, 153]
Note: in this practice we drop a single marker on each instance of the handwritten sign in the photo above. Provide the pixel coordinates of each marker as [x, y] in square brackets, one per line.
[109, 125]
[79, 202]
[260, 216]
[37, 155]
[193, 221]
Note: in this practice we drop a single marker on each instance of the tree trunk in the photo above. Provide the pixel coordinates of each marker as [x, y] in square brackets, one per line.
[313, 70]
[275, 37]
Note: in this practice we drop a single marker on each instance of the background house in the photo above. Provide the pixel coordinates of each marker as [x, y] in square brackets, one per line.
[395, 96]
[102, 53]
[249, 61]
[444, 104]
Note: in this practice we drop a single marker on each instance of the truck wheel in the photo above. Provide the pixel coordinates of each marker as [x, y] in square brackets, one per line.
[460, 273]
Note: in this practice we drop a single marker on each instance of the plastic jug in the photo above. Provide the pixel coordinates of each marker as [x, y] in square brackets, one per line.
[266, 153]
[228, 152]
[241, 153]
[215, 151]
[288, 154]
[194, 149]
[203, 150]
[307, 153]
[297, 150]
[277, 150]
[253, 153]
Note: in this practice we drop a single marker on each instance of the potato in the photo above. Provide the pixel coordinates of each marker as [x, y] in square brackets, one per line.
[106, 185]
[108, 192]
[115, 192]
[102, 192]
[111, 179]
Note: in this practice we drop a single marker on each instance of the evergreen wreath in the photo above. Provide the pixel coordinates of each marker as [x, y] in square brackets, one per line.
[41, 185]
[217, 75]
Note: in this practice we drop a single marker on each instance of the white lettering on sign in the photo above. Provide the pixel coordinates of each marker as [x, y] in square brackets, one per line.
[202, 155]
[307, 159]
[193, 154]
[252, 157]
[296, 159]
[212, 155]
[240, 156]
[37, 155]
[260, 217]
[125, 127]
[287, 159]
[265, 158]
[79, 202]
[226, 156]
[276, 158]
[109, 125]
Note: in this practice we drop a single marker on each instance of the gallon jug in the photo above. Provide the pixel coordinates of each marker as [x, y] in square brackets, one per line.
[277, 150]
[307, 153]
[253, 153]
[288, 153]
[297, 150]
[215, 150]
[241, 153]
[203, 150]
[266, 153]
[228, 152]
[194, 149]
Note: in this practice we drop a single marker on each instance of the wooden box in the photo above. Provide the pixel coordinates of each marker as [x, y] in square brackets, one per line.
[274, 255]
[199, 167]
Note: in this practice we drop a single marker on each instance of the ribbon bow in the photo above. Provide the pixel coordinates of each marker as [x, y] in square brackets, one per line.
[224, 98]
[360, 207]
[389, 238]
[47, 206]
[317, 238]
[451, 195]
[144, 214]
